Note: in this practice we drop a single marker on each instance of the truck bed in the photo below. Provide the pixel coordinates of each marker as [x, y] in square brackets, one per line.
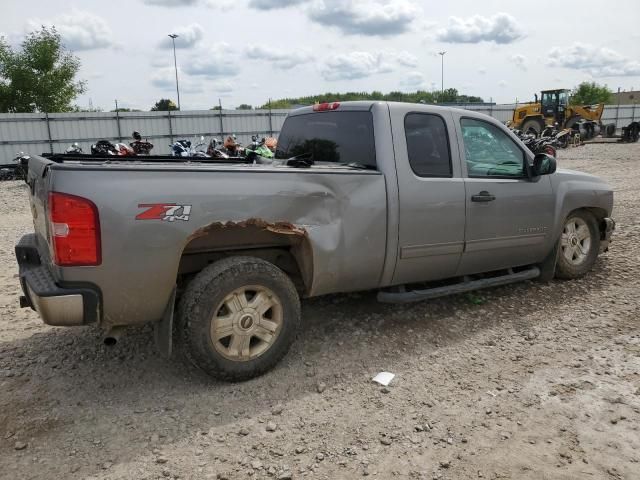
[335, 215]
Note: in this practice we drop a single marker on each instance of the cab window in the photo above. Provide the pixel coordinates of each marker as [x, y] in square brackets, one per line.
[329, 137]
[490, 152]
[548, 98]
[427, 145]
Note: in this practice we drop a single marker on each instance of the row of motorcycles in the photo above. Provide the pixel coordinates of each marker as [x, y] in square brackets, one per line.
[549, 140]
[227, 149]
[104, 147]
[230, 148]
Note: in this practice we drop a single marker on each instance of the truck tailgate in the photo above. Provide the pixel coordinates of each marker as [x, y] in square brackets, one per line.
[38, 180]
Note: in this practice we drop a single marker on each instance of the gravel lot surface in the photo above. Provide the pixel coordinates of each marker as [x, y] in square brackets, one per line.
[529, 381]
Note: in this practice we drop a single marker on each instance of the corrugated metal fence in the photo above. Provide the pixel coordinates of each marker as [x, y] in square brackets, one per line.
[40, 132]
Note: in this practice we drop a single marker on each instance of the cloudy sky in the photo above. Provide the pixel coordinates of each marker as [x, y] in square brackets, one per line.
[245, 51]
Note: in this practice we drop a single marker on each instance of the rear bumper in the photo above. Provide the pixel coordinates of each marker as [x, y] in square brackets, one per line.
[60, 305]
[606, 231]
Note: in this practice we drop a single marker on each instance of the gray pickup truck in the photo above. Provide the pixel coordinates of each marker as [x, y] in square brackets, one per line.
[415, 201]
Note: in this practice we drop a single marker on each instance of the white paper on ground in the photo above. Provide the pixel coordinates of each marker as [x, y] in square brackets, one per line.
[383, 378]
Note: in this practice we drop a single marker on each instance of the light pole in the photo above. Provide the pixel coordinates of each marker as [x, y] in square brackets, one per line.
[442, 71]
[175, 64]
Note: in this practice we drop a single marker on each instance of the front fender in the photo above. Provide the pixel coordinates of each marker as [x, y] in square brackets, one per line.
[577, 190]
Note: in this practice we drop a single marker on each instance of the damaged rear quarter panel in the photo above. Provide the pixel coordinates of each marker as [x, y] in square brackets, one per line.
[340, 215]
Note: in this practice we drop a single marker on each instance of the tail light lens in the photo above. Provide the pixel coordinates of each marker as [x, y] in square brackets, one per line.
[323, 107]
[74, 230]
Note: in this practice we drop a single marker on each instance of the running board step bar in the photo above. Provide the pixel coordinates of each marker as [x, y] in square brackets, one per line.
[426, 294]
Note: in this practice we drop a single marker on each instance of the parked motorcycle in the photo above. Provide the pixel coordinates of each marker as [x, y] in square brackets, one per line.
[258, 147]
[232, 147]
[543, 144]
[103, 147]
[16, 169]
[184, 148]
[215, 149]
[140, 146]
[124, 150]
[74, 148]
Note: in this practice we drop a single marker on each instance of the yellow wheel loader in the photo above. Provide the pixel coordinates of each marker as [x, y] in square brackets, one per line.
[553, 108]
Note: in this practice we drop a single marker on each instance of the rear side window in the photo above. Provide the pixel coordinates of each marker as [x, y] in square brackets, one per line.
[427, 145]
[343, 137]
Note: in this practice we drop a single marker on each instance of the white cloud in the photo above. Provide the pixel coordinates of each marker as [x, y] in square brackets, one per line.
[279, 58]
[273, 4]
[502, 83]
[500, 28]
[407, 59]
[222, 5]
[79, 30]
[349, 66]
[171, 3]
[188, 36]
[221, 87]
[414, 81]
[482, 71]
[365, 17]
[217, 60]
[597, 61]
[165, 79]
[353, 65]
[520, 61]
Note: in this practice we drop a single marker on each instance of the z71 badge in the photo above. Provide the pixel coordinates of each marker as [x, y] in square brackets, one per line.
[168, 212]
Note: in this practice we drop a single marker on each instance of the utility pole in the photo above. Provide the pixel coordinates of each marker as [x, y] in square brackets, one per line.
[175, 64]
[118, 121]
[442, 72]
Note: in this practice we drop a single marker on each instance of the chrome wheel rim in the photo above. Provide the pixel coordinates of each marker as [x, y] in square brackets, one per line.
[576, 241]
[246, 323]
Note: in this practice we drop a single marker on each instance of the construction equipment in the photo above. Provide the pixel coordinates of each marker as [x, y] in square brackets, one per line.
[554, 109]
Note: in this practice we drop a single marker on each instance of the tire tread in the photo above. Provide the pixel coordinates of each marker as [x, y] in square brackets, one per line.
[190, 316]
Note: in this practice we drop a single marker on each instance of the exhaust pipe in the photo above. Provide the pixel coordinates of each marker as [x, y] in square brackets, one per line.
[112, 336]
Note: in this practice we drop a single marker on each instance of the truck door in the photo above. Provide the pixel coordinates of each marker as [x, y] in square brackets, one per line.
[431, 195]
[509, 215]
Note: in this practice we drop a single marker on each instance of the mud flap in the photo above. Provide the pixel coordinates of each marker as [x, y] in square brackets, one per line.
[163, 330]
[548, 265]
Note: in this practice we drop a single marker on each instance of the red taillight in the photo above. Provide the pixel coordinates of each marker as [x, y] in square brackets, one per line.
[75, 230]
[322, 107]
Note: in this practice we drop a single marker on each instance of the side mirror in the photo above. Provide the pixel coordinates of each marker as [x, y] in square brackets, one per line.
[543, 164]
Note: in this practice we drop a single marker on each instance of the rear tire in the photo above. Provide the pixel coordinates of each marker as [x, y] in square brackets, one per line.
[238, 317]
[578, 246]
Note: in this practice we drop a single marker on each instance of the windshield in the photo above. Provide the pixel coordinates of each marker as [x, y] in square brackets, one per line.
[548, 98]
[341, 137]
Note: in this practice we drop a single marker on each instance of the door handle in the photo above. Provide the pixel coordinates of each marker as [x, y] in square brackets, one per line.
[483, 196]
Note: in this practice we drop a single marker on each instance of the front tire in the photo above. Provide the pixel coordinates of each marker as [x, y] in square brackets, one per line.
[579, 245]
[238, 318]
[532, 126]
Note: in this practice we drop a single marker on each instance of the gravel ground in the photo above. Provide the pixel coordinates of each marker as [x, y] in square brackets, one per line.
[528, 381]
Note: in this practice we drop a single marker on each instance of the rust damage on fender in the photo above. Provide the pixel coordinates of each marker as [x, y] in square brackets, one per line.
[285, 228]
[251, 235]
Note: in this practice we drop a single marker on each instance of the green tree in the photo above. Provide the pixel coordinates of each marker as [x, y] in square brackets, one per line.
[164, 105]
[40, 76]
[450, 95]
[244, 106]
[590, 93]
[217, 107]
